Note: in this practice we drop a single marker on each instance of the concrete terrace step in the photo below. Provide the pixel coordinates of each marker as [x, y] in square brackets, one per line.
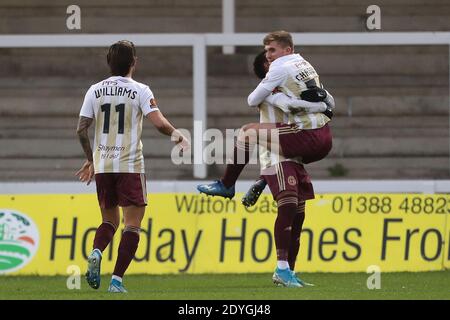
[68, 163]
[343, 85]
[383, 167]
[249, 3]
[338, 3]
[50, 86]
[166, 62]
[172, 105]
[205, 16]
[351, 60]
[162, 147]
[363, 168]
[244, 24]
[334, 23]
[81, 62]
[340, 122]
[390, 146]
[69, 148]
[342, 126]
[150, 132]
[162, 168]
[330, 9]
[115, 3]
[165, 162]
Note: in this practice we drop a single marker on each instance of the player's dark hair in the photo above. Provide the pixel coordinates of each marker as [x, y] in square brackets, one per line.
[284, 38]
[121, 57]
[259, 67]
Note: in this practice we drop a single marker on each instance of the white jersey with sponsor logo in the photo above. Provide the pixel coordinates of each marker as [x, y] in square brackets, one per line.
[118, 105]
[292, 74]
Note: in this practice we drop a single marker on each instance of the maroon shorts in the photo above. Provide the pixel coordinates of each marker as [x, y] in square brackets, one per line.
[289, 176]
[312, 144]
[123, 189]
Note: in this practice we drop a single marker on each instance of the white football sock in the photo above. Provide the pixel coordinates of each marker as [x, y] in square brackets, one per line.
[282, 264]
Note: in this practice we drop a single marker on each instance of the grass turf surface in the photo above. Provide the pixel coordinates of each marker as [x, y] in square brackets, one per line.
[403, 285]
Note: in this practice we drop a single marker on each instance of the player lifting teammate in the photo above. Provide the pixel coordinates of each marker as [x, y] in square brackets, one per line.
[306, 137]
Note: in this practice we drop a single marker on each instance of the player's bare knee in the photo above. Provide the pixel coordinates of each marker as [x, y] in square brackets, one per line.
[133, 215]
[111, 215]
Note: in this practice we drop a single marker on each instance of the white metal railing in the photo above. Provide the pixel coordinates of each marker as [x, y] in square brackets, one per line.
[173, 186]
[228, 17]
[199, 42]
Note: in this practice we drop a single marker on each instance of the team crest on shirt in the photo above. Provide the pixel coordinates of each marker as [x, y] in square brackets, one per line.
[292, 181]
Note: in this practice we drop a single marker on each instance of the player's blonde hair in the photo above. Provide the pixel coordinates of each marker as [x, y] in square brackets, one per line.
[282, 37]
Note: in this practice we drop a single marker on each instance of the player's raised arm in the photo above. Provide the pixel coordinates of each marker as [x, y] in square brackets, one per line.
[289, 104]
[312, 100]
[273, 78]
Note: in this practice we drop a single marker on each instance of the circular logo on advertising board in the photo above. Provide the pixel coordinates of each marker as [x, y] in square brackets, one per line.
[19, 240]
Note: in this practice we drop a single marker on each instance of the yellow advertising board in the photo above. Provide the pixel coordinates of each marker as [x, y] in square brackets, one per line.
[190, 233]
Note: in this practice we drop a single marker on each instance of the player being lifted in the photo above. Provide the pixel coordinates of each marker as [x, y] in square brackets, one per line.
[308, 136]
[118, 105]
[288, 181]
[278, 107]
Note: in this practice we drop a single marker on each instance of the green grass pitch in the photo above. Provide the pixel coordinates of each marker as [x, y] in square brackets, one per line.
[403, 285]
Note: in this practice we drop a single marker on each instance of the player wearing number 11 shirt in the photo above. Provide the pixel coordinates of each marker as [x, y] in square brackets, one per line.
[118, 106]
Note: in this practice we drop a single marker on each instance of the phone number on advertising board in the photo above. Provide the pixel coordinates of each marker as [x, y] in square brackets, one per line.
[385, 204]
